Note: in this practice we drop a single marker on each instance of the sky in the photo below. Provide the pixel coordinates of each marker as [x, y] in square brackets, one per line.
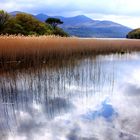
[126, 12]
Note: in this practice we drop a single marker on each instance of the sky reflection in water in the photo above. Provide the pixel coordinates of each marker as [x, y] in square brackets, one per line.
[90, 99]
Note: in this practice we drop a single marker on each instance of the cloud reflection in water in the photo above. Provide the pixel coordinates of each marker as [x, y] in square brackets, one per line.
[95, 99]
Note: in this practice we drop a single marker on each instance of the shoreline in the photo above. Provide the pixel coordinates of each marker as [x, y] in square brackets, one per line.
[21, 52]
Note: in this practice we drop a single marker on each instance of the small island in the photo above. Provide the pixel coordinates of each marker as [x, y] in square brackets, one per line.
[134, 34]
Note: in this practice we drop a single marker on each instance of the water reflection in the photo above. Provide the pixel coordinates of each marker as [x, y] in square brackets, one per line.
[83, 99]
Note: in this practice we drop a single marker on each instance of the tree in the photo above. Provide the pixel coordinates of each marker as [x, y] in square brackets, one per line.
[4, 16]
[60, 32]
[12, 27]
[30, 24]
[54, 22]
[27, 24]
[134, 34]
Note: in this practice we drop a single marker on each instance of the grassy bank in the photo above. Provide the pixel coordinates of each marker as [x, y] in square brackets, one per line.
[15, 50]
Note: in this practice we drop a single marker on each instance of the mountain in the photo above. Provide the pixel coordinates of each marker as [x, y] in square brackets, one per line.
[83, 26]
[15, 12]
[75, 21]
[41, 17]
[103, 29]
[134, 34]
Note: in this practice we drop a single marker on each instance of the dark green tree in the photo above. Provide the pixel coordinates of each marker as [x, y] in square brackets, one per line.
[4, 16]
[60, 32]
[134, 34]
[54, 22]
[12, 27]
[30, 24]
[27, 24]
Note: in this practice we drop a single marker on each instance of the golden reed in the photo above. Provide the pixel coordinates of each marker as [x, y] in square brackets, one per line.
[35, 49]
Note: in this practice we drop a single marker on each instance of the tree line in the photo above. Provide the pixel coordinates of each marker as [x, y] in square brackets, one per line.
[134, 34]
[26, 24]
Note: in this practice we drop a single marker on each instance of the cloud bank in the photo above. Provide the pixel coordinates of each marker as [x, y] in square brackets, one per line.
[122, 11]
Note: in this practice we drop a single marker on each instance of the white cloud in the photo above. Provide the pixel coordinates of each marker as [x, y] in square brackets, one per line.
[104, 6]
[130, 21]
[122, 11]
[33, 122]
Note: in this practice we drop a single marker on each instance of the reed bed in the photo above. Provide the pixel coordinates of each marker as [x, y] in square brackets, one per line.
[32, 50]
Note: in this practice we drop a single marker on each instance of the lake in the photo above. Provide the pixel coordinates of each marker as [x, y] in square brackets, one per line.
[88, 98]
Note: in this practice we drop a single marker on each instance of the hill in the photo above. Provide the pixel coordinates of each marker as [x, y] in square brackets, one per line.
[15, 12]
[83, 26]
[134, 34]
[26, 24]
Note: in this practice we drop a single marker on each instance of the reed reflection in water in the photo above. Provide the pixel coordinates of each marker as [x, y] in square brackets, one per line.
[77, 99]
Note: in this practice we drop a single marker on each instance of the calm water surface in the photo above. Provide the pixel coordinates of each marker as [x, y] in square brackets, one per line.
[94, 98]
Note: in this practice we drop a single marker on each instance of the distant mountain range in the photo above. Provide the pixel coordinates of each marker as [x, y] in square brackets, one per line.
[83, 26]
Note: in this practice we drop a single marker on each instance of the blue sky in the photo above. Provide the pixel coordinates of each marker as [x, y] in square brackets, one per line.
[126, 12]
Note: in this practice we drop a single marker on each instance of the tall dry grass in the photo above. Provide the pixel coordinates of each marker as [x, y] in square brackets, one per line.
[15, 50]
